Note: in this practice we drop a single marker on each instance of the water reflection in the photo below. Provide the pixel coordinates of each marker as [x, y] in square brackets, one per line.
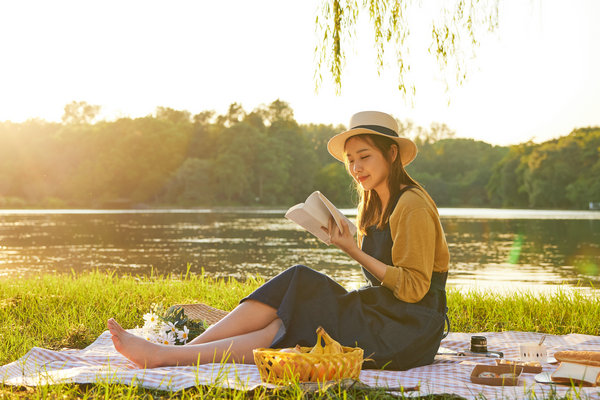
[487, 249]
[559, 250]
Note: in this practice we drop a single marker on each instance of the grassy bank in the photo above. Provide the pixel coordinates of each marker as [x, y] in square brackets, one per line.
[71, 311]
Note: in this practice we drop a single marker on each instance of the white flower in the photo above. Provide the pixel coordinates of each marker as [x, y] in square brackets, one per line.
[169, 327]
[162, 327]
[150, 337]
[167, 338]
[183, 335]
[157, 330]
[150, 320]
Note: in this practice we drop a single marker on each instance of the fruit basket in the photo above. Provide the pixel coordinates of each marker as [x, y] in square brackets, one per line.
[309, 364]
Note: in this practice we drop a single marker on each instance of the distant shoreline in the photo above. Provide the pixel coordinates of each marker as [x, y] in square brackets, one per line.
[445, 212]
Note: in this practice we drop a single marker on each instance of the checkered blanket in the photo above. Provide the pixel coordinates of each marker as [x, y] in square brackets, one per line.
[100, 362]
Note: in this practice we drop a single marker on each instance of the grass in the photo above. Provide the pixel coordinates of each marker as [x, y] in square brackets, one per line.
[559, 313]
[58, 311]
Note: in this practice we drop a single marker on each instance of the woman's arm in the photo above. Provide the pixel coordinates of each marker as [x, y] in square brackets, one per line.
[413, 252]
[347, 243]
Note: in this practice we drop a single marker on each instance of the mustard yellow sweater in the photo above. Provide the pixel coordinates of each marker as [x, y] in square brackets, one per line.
[419, 247]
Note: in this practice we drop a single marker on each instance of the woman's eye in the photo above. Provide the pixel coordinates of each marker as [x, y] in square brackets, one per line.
[362, 158]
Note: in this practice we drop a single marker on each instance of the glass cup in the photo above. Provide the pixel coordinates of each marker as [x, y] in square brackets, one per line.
[533, 352]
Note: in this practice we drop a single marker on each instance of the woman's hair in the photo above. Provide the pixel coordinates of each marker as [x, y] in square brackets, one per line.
[369, 205]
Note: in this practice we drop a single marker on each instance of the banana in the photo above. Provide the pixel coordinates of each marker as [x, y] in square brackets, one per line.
[331, 346]
[318, 348]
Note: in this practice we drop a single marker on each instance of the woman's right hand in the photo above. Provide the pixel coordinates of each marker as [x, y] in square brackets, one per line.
[342, 239]
[346, 242]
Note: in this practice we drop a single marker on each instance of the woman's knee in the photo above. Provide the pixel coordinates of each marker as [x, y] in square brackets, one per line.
[299, 268]
[274, 326]
[296, 270]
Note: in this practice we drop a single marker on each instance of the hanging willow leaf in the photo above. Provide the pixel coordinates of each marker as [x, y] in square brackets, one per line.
[456, 29]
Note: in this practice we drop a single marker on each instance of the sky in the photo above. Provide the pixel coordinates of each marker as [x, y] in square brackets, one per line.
[535, 78]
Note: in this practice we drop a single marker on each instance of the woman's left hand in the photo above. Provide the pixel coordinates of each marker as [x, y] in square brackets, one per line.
[341, 238]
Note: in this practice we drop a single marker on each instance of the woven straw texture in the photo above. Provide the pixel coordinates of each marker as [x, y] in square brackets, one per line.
[203, 312]
[279, 367]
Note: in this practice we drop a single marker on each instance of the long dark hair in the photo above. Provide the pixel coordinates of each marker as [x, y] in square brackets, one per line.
[369, 204]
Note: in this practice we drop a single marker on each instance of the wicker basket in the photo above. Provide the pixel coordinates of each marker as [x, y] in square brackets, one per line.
[280, 367]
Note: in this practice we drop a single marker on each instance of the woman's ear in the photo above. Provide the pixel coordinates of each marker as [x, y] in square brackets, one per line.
[393, 153]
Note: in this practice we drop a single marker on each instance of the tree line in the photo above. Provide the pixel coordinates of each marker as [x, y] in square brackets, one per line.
[173, 158]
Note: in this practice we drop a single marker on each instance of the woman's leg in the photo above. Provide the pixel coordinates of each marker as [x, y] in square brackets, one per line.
[249, 316]
[151, 355]
[253, 313]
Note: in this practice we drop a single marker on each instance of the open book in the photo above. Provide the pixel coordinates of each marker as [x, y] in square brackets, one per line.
[314, 213]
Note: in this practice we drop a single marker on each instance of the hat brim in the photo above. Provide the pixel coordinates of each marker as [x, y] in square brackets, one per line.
[407, 148]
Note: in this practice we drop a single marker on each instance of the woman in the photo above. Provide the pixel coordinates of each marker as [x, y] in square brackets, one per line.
[398, 319]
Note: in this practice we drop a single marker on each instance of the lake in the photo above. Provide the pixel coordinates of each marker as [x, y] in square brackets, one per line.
[490, 248]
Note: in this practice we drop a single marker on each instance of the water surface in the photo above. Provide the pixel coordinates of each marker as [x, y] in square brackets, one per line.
[502, 249]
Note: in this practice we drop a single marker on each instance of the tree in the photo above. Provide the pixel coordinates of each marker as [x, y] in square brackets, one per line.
[203, 142]
[204, 117]
[192, 184]
[550, 171]
[506, 186]
[296, 157]
[235, 163]
[272, 172]
[280, 111]
[265, 157]
[234, 115]
[124, 160]
[334, 181]
[175, 116]
[318, 136]
[456, 28]
[80, 112]
[586, 188]
[435, 133]
[456, 171]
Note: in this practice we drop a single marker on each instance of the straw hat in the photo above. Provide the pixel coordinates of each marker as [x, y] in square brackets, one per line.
[373, 123]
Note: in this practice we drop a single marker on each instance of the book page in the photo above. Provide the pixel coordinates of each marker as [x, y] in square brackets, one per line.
[310, 218]
[314, 213]
[337, 214]
[315, 206]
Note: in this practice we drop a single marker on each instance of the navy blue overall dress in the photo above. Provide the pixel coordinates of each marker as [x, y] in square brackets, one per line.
[393, 334]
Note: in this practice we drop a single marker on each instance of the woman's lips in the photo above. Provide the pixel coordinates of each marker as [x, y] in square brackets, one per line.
[362, 178]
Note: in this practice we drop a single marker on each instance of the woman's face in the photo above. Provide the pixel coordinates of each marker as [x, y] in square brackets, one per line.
[366, 164]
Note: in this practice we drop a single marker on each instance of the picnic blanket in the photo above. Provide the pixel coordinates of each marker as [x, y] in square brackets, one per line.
[101, 363]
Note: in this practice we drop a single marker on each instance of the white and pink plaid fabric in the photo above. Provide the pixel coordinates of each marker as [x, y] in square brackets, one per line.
[100, 362]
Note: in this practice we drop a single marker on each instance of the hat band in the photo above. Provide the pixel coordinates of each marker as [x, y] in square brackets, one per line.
[380, 129]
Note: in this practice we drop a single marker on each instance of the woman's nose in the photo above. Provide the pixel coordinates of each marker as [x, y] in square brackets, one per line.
[356, 167]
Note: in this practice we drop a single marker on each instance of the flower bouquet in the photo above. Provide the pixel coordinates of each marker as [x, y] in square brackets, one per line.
[170, 326]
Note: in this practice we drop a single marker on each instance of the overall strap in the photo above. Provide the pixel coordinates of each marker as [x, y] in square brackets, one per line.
[404, 189]
[438, 282]
[378, 244]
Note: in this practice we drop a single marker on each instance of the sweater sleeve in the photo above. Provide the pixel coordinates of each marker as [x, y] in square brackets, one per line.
[413, 253]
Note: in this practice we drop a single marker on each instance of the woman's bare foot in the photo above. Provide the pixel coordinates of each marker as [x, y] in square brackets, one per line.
[142, 352]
